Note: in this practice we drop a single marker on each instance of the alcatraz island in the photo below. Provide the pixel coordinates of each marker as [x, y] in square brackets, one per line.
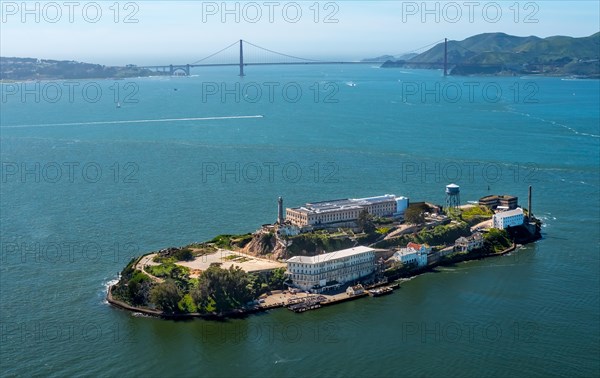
[322, 253]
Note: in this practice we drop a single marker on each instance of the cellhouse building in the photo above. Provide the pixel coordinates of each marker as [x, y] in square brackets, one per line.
[345, 210]
[330, 270]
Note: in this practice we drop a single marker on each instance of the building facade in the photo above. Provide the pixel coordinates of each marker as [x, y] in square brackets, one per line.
[493, 201]
[321, 272]
[413, 254]
[287, 230]
[345, 210]
[401, 205]
[508, 218]
[355, 290]
[467, 244]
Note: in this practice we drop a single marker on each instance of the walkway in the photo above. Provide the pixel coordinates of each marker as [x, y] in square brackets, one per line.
[147, 261]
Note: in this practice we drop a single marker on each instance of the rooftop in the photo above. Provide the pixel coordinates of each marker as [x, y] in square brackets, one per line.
[330, 256]
[405, 251]
[472, 237]
[344, 204]
[510, 213]
[498, 196]
[377, 199]
[413, 246]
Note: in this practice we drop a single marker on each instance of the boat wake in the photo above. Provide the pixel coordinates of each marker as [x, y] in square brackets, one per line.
[280, 360]
[576, 132]
[95, 123]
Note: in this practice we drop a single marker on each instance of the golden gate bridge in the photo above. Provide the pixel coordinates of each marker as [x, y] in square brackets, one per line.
[243, 53]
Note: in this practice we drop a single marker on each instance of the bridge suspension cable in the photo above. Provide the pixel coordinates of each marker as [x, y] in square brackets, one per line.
[421, 48]
[282, 54]
[462, 47]
[218, 52]
[260, 57]
[264, 58]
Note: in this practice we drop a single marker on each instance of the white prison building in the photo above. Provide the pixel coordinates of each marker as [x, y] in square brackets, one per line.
[508, 218]
[345, 210]
[318, 273]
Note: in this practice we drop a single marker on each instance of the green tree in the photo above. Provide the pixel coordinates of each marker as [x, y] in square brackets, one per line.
[225, 288]
[186, 304]
[277, 278]
[238, 286]
[166, 296]
[496, 240]
[138, 288]
[414, 214]
[200, 294]
[184, 254]
[365, 222]
[179, 273]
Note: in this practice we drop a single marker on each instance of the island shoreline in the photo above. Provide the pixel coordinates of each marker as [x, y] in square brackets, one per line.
[243, 313]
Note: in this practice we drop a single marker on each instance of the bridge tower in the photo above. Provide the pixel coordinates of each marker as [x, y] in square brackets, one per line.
[445, 56]
[241, 58]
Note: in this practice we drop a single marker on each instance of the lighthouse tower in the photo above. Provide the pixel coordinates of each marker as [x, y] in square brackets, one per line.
[280, 219]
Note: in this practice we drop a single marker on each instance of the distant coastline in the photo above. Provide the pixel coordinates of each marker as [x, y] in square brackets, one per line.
[488, 54]
[13, 69]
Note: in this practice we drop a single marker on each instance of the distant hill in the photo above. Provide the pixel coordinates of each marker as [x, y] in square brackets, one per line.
[385, 58]
[503, 54]
[12, 69]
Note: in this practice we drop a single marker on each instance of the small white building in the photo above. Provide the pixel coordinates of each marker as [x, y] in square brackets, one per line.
[468, 244]
[355, 290]
[413, 254]
[508, 218]
[401, 206]
[288, 230]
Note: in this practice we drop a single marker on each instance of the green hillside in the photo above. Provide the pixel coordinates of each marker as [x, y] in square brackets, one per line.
[12, 69]
[500, 53]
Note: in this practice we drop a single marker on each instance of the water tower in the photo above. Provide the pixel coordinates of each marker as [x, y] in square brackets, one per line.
[452, 196]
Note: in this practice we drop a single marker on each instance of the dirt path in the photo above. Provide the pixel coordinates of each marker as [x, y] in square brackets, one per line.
[145, 261]
[484, 224]
[401, 230]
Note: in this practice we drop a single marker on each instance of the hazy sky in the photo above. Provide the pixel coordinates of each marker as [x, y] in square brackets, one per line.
[145, 32]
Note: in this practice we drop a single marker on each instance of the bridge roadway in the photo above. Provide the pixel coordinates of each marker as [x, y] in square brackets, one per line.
[186, 67]
[250, 64]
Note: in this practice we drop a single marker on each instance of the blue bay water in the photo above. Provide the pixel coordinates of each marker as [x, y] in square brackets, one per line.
[353, 131]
